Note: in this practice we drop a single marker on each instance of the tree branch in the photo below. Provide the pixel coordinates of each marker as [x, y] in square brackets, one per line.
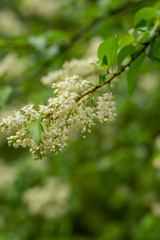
[146, 44]
[120, 71]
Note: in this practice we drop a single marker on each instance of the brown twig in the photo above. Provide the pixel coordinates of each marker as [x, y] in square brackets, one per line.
[110, 79]
[146, 44]
[115, 74]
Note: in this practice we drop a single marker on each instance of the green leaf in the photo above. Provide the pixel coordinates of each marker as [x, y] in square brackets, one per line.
[126, 40]
[132, 73]
[126, 51]
[157, 4]
[154, 28]
[102, 79]
[54, 35]
[104, 61]
[35, 129]
[96, 64]
[143, 15]
[101, 64]
[2, 42]
[109, 49]
[5, 93]
[143, 37]
[2, 77]
[154, 49]
[157, 48]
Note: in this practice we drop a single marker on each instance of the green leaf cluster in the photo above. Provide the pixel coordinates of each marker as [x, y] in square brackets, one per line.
[115, 52]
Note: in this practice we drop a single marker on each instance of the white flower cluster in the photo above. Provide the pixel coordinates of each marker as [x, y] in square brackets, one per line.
[83, 68]
[105, 108]
[155, 208]
[47, 9]
[59, 117]
[44, 201]
[7, 175]
[8, 66]
[10, 24]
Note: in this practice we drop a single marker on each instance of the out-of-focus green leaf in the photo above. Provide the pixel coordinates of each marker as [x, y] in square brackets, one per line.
[2, 77]
[2, 42]
[56, 35]
[5, 93]
[132, 73]
[157, 4]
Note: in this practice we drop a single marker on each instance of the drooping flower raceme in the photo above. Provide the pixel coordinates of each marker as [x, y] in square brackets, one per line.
[49, 128]
[83, 68]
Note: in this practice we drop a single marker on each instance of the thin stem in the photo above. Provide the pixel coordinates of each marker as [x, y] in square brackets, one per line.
[146, 44]
[117, 73]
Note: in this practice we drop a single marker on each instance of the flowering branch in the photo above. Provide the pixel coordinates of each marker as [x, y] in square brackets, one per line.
[70, 107]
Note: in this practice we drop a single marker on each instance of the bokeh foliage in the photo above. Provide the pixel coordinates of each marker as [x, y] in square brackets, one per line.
[105, 186]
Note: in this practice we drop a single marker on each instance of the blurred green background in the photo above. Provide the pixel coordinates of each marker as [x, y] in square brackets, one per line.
[103, 187]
